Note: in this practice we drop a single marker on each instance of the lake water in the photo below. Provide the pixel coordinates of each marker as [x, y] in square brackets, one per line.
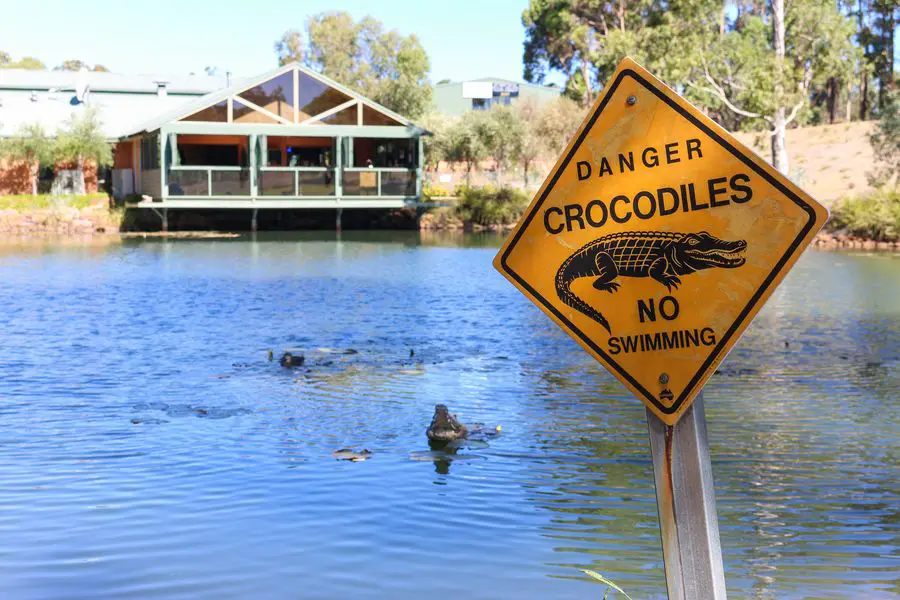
[148, 448]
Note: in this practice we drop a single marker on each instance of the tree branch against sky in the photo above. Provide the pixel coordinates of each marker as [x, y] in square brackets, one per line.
[387, 67]
[757, 69]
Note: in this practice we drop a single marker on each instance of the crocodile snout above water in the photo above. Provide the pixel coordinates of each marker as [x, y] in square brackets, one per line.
[444, 426]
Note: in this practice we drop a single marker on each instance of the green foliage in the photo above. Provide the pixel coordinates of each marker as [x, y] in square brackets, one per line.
[77, 65]
[385, 66]
[463, 141]
[437, 126]
[556, 124]
[431, 190]
[517, 135]
[501, 131]
[27, 62]
[71, 65]
[875, 217]
[886, 142]
[82, 139]
[490, 206]
[531, 147]
[726, 65]
[31, 145]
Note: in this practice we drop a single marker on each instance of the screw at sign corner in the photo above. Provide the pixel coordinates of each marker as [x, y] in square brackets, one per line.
[632, 100]
[664, 378]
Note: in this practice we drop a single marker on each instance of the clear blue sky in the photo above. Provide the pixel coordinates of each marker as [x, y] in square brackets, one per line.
[465, 39]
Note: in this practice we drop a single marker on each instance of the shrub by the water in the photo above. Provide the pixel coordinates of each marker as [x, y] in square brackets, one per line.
[490, 205]
[876, 216]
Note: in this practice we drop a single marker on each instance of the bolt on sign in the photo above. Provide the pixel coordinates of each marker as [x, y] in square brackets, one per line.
[656, 239]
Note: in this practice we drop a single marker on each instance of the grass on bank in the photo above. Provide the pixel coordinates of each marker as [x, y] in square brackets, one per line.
[25, 202]
[875, 216]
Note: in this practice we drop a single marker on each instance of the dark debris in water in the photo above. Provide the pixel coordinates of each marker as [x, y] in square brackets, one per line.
[352, 455]
[187, 410]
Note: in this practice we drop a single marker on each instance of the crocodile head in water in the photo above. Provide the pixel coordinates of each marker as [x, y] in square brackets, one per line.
[444, 426]
[697, 251]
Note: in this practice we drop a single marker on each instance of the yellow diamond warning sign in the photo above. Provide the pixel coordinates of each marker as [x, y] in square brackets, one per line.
[656, 239]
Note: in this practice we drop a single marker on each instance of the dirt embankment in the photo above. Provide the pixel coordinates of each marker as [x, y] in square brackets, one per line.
[57, 221]
[828, 161]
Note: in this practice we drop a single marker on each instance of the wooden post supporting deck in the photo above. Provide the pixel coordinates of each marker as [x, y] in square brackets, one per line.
[688, 522]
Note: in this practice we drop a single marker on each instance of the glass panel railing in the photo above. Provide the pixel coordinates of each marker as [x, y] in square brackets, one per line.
[231, 182]
[276, 183]
[361, 183]
[398, 183]
[188, 182]
[316, 183]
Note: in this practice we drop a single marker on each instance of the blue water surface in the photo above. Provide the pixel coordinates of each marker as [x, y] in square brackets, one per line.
[148, 448]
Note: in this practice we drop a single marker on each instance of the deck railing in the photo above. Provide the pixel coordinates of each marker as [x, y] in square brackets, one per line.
[297, 181]
[209, 181]
[381, 182]
[290, 182]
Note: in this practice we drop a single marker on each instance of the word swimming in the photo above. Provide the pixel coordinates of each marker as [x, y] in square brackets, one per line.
[662, 340]
[719, 192]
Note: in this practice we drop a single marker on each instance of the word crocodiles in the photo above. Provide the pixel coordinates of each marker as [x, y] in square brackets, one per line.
[658, 254]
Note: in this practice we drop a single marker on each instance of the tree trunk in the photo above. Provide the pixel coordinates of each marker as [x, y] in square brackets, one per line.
[864, 97]
[34, 169]
[585, 73]
[849, 99]
[80, 186]
[779, 148]
[864, 83]
[832, 99]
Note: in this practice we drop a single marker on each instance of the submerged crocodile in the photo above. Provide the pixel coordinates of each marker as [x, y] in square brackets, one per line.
[657, 254]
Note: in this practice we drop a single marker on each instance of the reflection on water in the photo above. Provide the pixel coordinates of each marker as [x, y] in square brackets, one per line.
[150, 448]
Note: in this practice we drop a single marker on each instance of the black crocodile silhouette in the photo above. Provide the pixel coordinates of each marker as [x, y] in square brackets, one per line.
[661, 255]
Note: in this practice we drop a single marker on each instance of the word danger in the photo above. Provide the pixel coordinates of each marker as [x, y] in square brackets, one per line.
[649, 157]
[718, 192]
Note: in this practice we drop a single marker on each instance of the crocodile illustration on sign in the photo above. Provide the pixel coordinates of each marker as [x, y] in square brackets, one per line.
[657, 254]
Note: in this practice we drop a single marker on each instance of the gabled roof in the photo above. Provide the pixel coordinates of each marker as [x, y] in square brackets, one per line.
[222, 95]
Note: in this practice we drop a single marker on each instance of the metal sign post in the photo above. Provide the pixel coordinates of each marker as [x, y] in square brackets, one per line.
[688, 523]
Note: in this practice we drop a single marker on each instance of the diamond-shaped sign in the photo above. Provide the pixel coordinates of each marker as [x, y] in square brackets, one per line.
[656, 239]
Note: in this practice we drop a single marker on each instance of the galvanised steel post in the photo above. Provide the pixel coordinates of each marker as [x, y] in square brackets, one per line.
[688, 523]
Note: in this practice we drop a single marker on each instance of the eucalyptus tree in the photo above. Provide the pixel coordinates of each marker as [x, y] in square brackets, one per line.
[81, 140]
[388, 67]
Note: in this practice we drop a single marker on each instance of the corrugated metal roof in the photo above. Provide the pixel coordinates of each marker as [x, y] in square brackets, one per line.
[122, 101]
[25, 79]
[501, 80]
